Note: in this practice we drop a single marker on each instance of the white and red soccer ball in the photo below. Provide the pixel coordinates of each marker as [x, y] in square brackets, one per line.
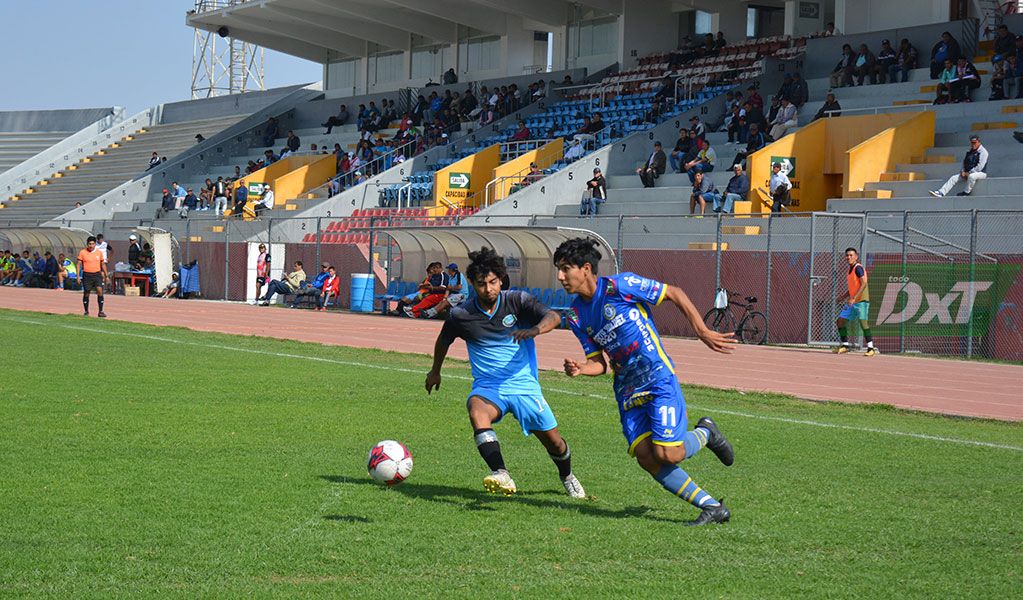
[390, 463]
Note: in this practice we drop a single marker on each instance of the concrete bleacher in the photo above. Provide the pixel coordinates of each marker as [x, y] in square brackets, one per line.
[18, 146]
[108, 168]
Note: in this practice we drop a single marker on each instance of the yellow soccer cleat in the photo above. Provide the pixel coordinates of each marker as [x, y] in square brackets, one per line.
[841, 349]
[499, 482]
[871, 352]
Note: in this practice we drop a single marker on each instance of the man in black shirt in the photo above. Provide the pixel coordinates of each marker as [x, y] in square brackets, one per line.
[596, 193]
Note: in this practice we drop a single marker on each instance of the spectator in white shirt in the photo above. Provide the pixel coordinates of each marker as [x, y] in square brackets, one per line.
[974, 169]
[266, 202]
[779, 186]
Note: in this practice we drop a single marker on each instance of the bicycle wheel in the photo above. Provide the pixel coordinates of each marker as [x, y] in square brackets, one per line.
[753, 329]
[719, 320]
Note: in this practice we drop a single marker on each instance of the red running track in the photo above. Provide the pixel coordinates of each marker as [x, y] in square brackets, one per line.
[952, 387]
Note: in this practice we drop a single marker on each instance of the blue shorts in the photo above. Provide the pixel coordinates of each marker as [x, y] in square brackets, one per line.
[855, 312]
[530, 410]
[658, 413]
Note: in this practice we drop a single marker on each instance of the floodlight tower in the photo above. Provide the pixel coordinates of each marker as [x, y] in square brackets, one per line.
[224, 66]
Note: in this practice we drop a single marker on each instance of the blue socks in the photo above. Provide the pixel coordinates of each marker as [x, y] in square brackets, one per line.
[678, 482]
[695, 440]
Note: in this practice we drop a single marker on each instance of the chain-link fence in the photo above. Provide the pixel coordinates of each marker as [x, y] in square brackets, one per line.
[945, 283]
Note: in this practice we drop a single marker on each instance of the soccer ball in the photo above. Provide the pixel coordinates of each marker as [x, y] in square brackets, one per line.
[390, 463]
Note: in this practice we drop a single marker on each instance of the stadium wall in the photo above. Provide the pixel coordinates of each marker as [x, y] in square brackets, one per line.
[223, 106]
[51, 120]
[858, 16]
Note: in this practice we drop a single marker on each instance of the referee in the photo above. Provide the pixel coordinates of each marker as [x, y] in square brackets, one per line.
[94, 272]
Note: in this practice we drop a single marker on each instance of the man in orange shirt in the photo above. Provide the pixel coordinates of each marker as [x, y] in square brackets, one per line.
[93, 271]
[857, 305]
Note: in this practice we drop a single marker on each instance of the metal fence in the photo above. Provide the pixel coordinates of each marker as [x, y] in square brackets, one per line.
[944, 283]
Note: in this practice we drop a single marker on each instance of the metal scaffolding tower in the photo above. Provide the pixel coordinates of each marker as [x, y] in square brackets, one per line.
[222, 65]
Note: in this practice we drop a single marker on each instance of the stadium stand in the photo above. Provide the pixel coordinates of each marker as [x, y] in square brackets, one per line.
[108, 168]
[23, 134]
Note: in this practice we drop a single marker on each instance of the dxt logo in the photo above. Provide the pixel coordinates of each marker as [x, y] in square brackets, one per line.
[937, 307]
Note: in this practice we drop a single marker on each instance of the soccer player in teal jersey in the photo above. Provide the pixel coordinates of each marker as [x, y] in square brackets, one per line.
[498, 328]
[611, 316]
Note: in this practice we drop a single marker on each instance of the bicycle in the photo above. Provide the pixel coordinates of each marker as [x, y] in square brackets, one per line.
[752, 328]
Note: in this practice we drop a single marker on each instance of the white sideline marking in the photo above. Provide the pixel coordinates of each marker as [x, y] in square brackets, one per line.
[919, 436]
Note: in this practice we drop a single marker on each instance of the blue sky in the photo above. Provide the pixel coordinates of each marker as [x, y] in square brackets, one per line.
[96, 53]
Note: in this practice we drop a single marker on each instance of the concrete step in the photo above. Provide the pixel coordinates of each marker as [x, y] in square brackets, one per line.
[996, 168]
[992, 186]
[926, 203]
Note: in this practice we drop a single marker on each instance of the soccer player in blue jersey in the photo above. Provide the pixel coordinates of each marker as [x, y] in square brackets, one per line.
[611, 316]
[498, 328]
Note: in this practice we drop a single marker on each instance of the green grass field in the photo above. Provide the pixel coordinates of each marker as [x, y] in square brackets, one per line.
[161, 462]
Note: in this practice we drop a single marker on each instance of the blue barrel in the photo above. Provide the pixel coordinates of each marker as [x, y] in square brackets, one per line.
[362, 293]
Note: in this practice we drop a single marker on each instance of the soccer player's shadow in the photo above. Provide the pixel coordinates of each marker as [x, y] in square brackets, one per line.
[473, 500]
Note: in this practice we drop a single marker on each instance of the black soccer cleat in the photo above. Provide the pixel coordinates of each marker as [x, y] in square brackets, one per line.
[712, 514]
[102, 315]
[718, 443]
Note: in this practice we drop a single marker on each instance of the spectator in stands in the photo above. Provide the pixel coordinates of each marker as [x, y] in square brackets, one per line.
[331, 289]
[785, 120]
[965, 81]
[487, 115]
[237, 174]
[456, 293]
[755, 140]
[190, 203]
[799, 93]
[755, 114]
[685, 142]
[737, 126]
[294, 142]
[705, 160]
[179, 194]
[998, 77]
[336, 121]
[947, 48]
[435, 105]
[653, 167]
[1014, 76]
[134, 250]
[534, 175]
[905, 61]
[772, 111]
[265, 203]
[450, 77]
[241, 196]
[389, 112]
[736, 190]
[886, 58]
[594, 195]
[1005, 41]
[703, 192]
[841, 75]
[468, 105]
[206, 195]
[830, 30]
[288, 285]
[272, 129]
[522, 133]
[567, 81]
[154, 161]
[865, 65]
[830, 104]
[785, 89]
[220, 191]
[944, 87]
[779, 186]
[696, 124]
[166, 204]
[754, 98]
[974, 169]
[575, 151]
[720, 41]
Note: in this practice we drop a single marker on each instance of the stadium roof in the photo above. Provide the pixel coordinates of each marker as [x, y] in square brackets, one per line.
[321, 30]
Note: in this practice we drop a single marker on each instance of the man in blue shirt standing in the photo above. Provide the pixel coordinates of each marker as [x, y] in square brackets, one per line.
[611, 316]
[498, 328]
